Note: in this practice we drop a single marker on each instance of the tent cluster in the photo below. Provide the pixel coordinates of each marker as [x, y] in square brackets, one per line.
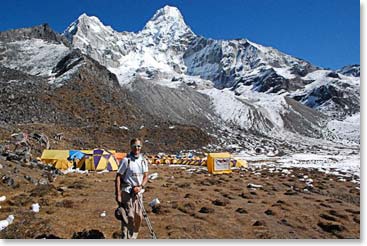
[172, 159]
[94, 160]
[190, 160]
[101, 159]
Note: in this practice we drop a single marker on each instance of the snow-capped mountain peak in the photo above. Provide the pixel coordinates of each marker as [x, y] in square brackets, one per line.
[168, 12]
[167, 22]
[351, 70]
[167, 52]
[158, 47]
[86, 27]
[92, 21]
[241, 91]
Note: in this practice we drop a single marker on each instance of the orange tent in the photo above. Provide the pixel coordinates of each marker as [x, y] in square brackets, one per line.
[119, 156]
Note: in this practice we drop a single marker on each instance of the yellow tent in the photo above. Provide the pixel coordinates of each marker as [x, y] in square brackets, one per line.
[58, 158]
[219, 163]
[240, 163]
[97, 160]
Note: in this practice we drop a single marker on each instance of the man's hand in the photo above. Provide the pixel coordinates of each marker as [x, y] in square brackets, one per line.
[118, 199]
[118, 189]
[137, 189]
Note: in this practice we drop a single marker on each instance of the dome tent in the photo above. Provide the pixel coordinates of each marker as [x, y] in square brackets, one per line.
[98, 160]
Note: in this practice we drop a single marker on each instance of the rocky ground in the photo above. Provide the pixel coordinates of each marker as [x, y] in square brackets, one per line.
[251, 203]
[156, 139]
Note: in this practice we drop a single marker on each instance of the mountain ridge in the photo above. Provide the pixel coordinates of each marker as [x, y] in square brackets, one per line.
[184, 79]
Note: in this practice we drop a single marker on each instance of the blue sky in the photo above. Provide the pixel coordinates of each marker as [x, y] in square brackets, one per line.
[323, 32]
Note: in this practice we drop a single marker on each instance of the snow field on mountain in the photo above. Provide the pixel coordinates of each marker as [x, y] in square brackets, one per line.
[346, 130]
[237, 109]
[168, 53]
[34, 56]
[320, 77]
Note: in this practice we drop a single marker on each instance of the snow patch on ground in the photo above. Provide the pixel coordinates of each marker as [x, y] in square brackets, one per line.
[341, 165]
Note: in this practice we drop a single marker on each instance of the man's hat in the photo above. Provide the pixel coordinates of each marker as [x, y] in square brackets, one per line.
[118, 213]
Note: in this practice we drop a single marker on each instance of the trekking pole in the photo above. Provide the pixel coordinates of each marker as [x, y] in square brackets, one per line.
[152, 233]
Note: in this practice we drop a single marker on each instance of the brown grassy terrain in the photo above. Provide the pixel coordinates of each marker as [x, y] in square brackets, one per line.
[194, 205]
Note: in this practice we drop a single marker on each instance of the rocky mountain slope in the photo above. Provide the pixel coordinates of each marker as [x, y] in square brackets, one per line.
[165, 80]
[46, 83]
[167, 52]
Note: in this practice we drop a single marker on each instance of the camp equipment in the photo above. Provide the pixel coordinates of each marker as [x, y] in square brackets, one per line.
[58, 158]
[119, 156]
[154, 202]
[219, 163]
[98, 160]
[240, 163]
[75, 154]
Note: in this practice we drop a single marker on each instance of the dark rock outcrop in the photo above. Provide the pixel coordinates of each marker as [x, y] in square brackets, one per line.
[43, 31]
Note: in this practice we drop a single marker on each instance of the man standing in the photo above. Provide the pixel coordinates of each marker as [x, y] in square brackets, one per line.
[131, 178]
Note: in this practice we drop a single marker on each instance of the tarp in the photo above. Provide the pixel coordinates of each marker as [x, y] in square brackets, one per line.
[99, 160]
[58, 158]
[76, 154]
